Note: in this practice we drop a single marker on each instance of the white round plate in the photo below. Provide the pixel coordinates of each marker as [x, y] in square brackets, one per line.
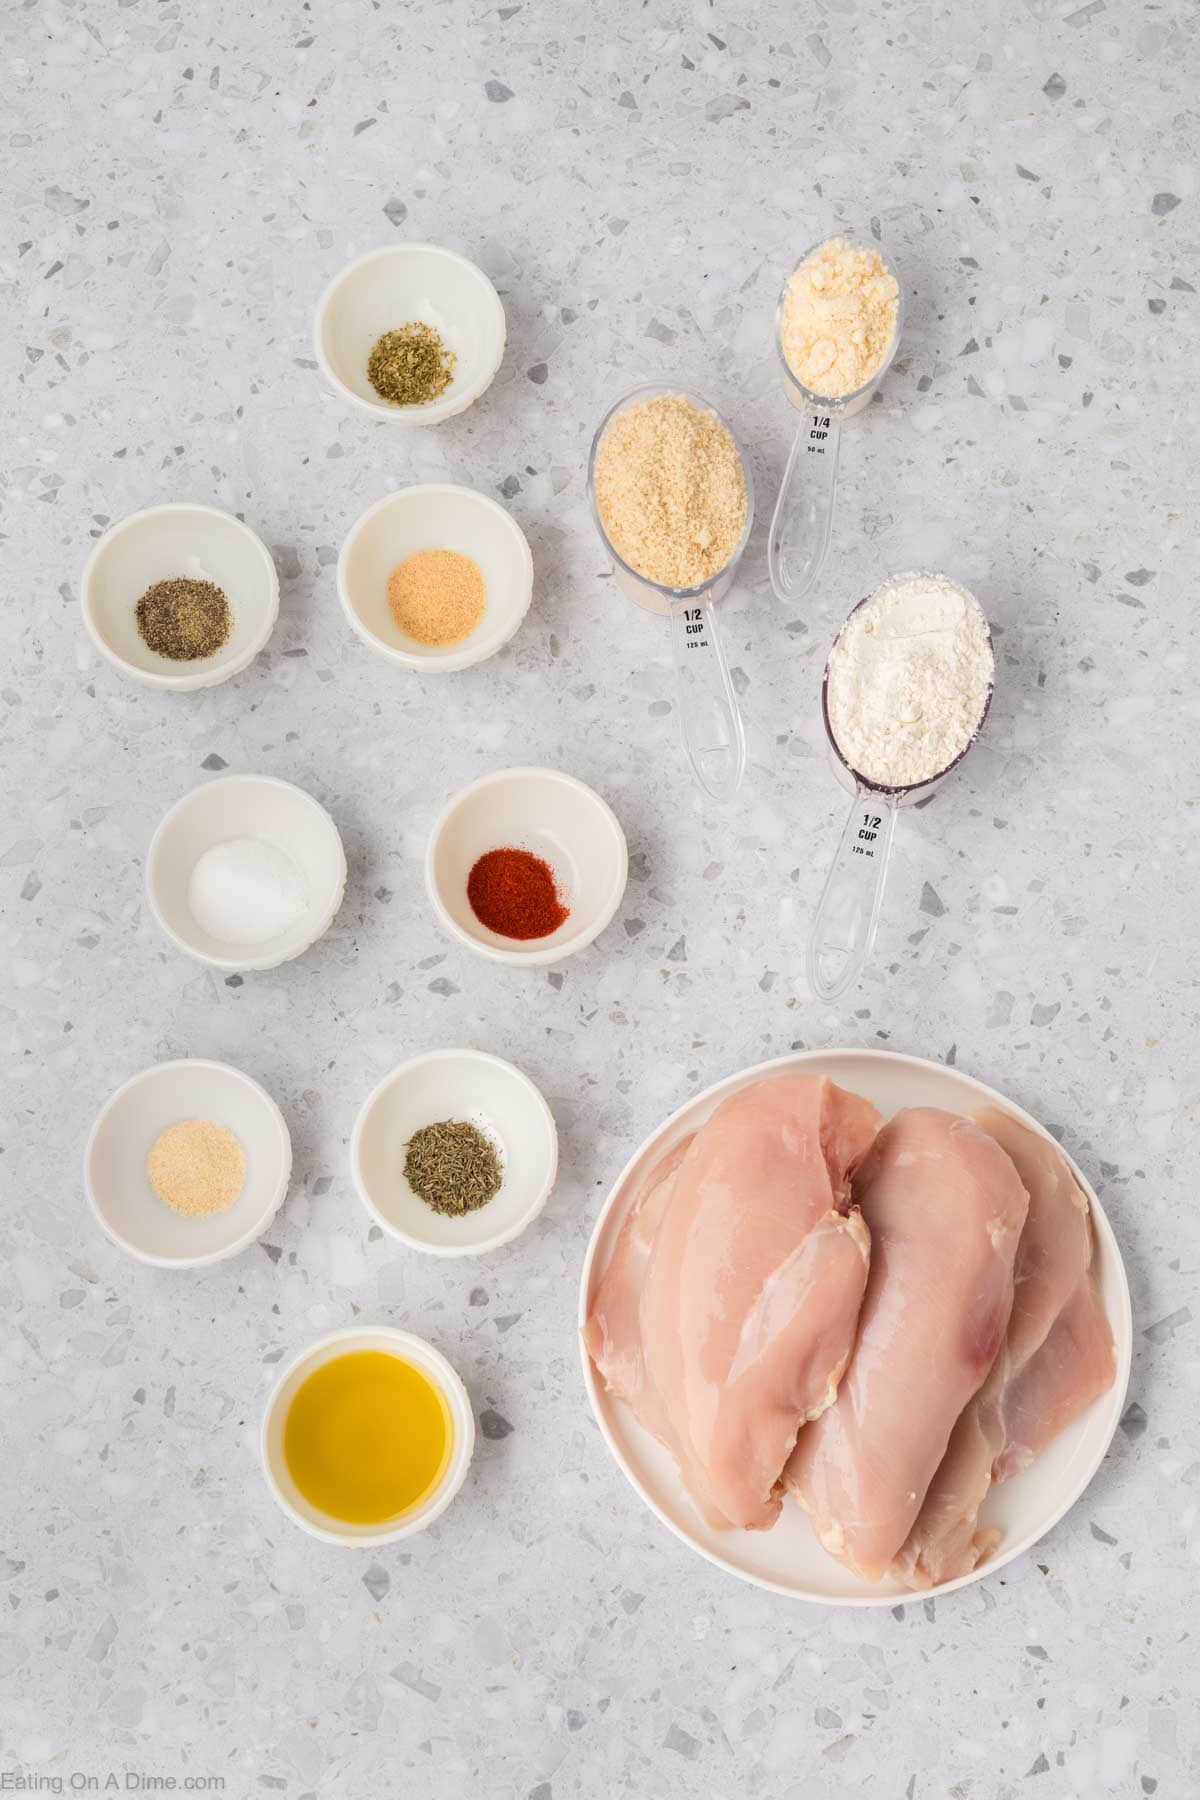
[788, 1559]
[435, 516]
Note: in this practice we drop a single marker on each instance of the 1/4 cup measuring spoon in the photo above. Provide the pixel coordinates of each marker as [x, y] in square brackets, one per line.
[804, 510]
[847, 916]
[714, 736]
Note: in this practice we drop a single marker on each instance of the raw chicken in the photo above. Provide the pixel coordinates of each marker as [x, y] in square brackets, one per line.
[1065, 1356]
[945, 1208]
[613, 1333]
[1056, 1358]
[750, 1290]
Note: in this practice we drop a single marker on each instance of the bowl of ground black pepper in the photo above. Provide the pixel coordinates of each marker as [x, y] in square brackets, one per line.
[435, 578]
[187, 1163]
[180, 596]
[411, 334]
[526, 866]
[454, 1152]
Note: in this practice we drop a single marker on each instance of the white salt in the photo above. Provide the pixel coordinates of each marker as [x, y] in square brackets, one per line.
[246, 891]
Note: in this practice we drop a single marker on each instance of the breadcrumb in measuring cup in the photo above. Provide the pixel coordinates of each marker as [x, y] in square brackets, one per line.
[670, 490]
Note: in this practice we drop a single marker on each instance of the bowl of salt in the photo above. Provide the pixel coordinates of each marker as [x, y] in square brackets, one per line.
[246, 872]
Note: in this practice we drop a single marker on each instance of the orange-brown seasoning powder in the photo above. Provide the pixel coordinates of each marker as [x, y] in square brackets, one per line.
[437, 597]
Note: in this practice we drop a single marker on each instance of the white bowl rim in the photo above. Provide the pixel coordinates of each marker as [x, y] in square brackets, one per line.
[1122, 1325]
[214, 671]
[252, 1232]
[536, 1206]
[438, 410]
[455, 656]
[549, 953]
[268, 959]
[456, 1396]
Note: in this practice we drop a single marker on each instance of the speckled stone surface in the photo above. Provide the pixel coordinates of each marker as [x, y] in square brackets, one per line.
[181, 184]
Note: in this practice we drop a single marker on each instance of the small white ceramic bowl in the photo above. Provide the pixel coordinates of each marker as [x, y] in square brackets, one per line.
[557, 818]
[114, 1164]
[410, 1349]
[480, 1090]
[245, 806]
[199, 543]
[391, 287]
[435, 517]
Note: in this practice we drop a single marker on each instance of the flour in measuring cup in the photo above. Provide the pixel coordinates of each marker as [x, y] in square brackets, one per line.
[908, 680]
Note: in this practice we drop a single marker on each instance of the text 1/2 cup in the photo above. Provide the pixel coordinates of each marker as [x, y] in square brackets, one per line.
[847, 915]
[714, 736]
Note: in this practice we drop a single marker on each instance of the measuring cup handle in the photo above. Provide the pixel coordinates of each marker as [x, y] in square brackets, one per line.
[804, 509]
[713, 734]
[843, 930]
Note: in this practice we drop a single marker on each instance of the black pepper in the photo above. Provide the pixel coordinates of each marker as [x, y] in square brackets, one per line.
[184, 619]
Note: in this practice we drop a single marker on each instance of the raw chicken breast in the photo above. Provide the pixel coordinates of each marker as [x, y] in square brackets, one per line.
[1056, 1357]
[613, 1333]
[945, 1208]
[750, 1291]
[1064, 1356]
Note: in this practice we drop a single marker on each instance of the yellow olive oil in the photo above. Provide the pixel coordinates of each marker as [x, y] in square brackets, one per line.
[367, 1437]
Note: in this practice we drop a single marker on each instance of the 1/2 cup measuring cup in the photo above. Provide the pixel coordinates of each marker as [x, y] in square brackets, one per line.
[804, 510]
[847, 915]
[714, 736]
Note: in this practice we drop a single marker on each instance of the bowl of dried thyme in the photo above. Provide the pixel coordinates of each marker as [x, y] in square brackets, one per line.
[179, 596]
[454, 1152]
[412, 333]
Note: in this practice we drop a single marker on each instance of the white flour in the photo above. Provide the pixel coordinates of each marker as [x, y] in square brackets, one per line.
[909, 679]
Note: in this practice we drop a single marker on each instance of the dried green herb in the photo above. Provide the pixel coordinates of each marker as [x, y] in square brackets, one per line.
[411, 366]
[184, 619]
[452, 1167]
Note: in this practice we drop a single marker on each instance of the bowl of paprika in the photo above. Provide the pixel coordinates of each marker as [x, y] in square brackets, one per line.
[526, 866]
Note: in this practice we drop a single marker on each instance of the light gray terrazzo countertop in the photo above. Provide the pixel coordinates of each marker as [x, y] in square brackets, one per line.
[181, 184]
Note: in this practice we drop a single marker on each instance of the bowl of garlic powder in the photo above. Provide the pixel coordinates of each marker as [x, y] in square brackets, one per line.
[187, 1163]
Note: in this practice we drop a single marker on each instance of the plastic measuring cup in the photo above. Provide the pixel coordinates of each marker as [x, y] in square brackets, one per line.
[847, 915]
[804, 510]
[714, 736]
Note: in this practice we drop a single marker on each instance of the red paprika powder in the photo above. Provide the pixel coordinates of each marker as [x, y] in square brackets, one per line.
[513, 893]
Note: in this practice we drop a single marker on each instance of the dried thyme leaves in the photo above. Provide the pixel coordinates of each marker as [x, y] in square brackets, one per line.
[411, 366]
[184, 619]
[452, 1167]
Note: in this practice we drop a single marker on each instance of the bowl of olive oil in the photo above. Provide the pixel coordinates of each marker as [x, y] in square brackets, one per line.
[367, 1436]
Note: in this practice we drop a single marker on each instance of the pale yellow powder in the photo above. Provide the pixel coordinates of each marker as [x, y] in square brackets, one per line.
[196, 1168]
[671, 490]
[839, 318]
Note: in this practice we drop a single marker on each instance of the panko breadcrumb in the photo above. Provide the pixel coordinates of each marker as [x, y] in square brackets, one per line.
[671, 490]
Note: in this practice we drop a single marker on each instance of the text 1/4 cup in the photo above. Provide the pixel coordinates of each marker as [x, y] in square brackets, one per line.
[803, 515]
